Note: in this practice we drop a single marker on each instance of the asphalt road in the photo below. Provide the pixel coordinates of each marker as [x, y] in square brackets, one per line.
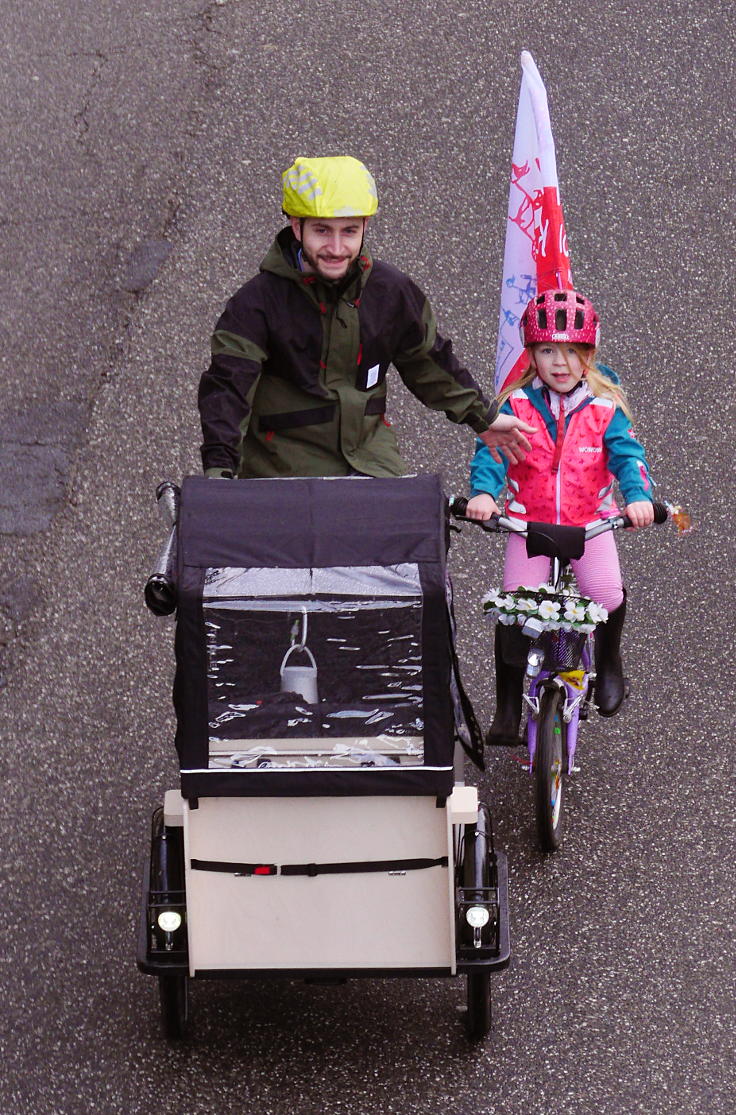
[144, 145]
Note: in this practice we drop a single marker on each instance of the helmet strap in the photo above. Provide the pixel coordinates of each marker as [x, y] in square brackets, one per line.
[302, 250]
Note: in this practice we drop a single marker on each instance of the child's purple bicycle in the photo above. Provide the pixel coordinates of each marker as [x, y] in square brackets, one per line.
[560, 626]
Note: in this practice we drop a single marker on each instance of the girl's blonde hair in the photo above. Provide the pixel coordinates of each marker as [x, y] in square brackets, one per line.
[599, 383]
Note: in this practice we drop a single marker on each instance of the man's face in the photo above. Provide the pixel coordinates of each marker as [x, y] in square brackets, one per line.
[329, 245]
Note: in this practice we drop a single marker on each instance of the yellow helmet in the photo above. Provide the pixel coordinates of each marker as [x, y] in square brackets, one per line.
[335, 187]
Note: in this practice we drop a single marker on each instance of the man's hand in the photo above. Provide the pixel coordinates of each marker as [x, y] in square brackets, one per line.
[481, 507]
[641, 512]
[507, 433]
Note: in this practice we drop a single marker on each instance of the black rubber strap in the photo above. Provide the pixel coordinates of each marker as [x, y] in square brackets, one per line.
[312, 869]
[235, 868]
[368, 865]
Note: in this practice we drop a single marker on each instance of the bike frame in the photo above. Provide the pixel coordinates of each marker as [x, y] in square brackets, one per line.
[576, 691]
[574, 683]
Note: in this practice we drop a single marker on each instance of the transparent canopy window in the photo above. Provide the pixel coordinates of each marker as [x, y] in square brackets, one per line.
[314, 667]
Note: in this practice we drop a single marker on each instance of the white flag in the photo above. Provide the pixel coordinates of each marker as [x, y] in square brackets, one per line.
[536, 257]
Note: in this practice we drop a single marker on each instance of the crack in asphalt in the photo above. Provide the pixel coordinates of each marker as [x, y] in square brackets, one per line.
[80, 118]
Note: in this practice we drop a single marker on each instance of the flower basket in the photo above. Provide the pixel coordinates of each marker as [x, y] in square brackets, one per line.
[550, 611]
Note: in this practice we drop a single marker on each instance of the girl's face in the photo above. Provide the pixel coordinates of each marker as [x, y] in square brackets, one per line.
[558, 365]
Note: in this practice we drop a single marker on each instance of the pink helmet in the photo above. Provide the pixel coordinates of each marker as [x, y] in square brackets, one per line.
[560, 315]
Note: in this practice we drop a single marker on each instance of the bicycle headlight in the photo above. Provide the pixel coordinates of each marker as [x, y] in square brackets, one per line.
[169, 921]
[477, 916]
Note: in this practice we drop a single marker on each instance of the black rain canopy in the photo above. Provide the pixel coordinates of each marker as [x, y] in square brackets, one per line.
[314, 638]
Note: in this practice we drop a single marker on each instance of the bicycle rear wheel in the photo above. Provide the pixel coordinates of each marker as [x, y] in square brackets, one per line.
[549, 763]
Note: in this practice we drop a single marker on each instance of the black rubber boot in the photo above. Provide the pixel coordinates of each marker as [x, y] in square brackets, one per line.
[511, 650]
[610, 687]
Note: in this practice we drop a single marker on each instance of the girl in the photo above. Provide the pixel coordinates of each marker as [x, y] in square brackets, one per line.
[583, 440]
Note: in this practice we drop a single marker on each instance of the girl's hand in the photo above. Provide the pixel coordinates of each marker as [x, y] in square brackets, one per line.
[641, 513]
[481, 507]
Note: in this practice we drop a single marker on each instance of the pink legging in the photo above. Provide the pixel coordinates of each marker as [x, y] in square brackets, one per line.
[598, 572]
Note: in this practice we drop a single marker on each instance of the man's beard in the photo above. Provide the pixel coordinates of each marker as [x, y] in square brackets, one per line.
[314, 264]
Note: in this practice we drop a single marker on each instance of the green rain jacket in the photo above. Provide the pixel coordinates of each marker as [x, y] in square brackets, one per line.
[297, 383]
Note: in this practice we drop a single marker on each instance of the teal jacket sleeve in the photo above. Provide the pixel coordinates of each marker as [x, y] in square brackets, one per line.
[487, 475]
[627, 460]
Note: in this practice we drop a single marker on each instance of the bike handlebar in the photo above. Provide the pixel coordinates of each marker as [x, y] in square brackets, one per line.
[160, 590]
[499, 524]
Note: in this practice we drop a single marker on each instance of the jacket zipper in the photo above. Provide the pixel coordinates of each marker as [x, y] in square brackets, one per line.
[556, 460]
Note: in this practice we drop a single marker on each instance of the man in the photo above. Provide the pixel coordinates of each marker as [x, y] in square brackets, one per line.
[297, 384]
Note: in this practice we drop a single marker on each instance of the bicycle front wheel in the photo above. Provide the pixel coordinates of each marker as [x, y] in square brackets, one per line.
[548, 769]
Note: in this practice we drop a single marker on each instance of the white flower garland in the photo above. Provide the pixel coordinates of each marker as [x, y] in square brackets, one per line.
[576, 613]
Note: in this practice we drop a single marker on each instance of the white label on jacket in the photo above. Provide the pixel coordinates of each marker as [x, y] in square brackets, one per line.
[372, 376]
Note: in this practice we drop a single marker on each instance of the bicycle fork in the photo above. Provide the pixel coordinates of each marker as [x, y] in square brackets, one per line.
[574, 685]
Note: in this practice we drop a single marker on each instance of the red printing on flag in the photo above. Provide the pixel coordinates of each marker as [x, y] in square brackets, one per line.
[550, 247]
[539, 217]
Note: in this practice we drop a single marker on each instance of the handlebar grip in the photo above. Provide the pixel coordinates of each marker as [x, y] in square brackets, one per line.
[167, 498]
[458, 507]
[661, 514]
[160, 595]
[160, 591]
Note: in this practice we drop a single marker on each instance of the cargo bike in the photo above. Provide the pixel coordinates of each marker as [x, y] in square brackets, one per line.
[322, 828]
